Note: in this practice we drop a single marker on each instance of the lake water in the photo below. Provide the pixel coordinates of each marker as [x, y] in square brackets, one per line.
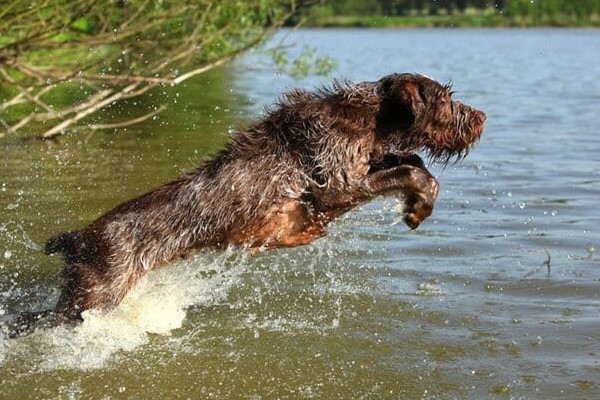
[496, 295]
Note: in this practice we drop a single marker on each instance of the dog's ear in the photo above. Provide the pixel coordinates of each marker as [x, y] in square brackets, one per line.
[401, 100]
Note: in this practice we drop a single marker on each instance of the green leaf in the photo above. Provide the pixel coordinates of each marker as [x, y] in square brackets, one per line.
[82, 24]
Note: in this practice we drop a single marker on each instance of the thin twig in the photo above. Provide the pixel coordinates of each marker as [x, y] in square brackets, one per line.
[57, 130]
[123, 78]
[18, 99]
[64, 112]
[547, 262]
[24, 92]
[6, 126]
[203, 69]
[128, 122]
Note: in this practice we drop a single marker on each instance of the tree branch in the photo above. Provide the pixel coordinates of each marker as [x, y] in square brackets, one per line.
[129, 121]
[57, 130]
[91, 101]
[119, 52]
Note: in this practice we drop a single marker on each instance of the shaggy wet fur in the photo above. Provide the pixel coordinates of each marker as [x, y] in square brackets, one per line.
[314, 156]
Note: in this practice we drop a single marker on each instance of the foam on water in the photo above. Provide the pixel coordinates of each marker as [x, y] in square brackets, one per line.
[157, 305]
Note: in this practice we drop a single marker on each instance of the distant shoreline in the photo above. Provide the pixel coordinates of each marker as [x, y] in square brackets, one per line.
[451, 21]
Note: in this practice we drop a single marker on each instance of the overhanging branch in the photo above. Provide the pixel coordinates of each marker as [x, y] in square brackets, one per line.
[115, 52]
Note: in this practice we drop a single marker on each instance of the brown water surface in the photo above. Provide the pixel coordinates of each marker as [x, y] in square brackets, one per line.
[495, 296]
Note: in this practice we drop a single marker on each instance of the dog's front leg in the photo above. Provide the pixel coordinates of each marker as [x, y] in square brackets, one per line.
[418, 187]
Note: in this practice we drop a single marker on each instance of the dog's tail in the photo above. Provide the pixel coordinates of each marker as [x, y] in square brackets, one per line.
[62, 243]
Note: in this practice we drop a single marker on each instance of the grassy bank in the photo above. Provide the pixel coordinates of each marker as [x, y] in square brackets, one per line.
[465, 20]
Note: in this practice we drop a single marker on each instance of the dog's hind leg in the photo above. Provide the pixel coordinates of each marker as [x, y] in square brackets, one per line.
[90, 287]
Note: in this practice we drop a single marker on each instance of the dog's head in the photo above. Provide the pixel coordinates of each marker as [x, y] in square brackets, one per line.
[418, 113]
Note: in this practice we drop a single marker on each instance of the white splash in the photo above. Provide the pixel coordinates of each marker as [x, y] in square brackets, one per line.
[157, 305]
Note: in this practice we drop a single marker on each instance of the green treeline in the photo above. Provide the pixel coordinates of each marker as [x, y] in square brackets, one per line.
[580, 8]
[455, 13]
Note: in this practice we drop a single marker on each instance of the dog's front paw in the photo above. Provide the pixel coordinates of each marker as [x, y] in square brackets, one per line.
[419, 203]
[416, 210]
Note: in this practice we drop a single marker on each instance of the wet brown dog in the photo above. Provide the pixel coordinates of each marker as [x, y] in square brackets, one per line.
[314, 156]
